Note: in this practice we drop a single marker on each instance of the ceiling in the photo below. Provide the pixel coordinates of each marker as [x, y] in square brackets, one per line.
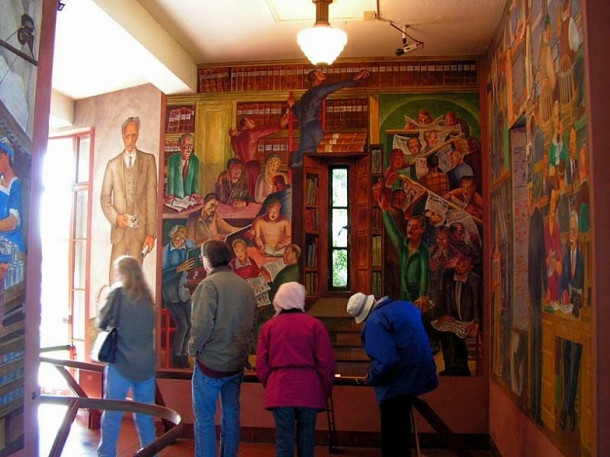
[104, 45]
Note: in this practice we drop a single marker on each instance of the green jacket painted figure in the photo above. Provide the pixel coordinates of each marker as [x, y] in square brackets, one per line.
[414, 272]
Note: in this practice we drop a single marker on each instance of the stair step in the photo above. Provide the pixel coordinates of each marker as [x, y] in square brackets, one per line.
[346, 339]
[351, 354]
[340, 324]
[352, 368]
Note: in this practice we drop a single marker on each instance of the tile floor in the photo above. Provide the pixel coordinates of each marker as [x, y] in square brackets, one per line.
[82, 442]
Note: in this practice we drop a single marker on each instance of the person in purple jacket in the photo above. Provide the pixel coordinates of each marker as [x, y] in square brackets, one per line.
[295, 362]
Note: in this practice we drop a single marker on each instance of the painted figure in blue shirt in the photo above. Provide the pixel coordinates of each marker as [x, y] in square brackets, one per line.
[176, 297]
[309, 109]
[10, 198]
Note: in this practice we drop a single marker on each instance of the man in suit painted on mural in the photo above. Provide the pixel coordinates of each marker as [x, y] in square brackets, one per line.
[571, 291]
[537, 284]
[183, 172]
[129, 197]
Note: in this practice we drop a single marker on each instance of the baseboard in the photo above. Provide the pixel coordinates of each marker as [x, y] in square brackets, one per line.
[473, 441]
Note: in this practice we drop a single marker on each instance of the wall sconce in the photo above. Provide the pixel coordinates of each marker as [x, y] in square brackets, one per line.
[322, 43]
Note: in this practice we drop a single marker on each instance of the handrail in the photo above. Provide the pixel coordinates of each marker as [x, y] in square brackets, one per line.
[75, 403]
[452, 440]
[172, 421]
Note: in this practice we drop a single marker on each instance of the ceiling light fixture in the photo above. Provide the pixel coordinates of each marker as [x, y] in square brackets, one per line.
[322, 43]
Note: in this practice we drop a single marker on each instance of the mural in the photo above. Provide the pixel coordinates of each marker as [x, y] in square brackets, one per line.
[249, 207]
[19, 38]
[129, 198]
[432, 209]
[541, 266]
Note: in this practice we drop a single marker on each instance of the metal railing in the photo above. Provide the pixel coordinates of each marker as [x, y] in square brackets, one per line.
[172, 421]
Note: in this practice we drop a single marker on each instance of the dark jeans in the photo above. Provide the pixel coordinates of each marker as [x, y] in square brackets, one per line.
[311, 135]
[572, 353]
[181, 315]
[396, 426]
[285, 420]
[455, 354]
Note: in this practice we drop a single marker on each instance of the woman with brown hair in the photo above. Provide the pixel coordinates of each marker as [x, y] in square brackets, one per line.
[131, 308]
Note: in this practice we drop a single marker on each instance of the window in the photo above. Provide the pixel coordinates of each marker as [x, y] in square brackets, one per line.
[65, 240]
[339, 212]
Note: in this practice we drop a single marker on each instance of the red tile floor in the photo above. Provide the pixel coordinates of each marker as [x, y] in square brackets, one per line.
[82, 442]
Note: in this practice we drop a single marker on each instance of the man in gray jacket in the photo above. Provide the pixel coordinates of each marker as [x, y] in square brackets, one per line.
[223, 318]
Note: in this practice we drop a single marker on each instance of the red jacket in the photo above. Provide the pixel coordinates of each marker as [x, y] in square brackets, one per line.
[295, 361]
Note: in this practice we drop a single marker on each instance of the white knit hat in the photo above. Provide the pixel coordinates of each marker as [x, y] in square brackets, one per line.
[359, 306]
[289, 295]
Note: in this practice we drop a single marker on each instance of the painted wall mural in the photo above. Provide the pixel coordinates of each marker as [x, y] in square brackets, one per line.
[249, 207]
[19, 38]
[432, 210]
[541, 264]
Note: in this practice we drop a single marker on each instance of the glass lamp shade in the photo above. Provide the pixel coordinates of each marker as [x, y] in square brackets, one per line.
[322, 44]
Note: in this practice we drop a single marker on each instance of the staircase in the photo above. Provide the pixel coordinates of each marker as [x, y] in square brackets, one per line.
[344, 334]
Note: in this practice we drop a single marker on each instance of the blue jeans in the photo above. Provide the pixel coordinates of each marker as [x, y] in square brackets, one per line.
[205, 396]
[116, 387]
[285, 420]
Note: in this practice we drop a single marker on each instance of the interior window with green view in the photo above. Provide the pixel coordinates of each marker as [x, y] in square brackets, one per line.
[339, 210]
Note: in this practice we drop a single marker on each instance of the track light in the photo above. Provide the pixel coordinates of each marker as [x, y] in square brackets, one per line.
[406, 46]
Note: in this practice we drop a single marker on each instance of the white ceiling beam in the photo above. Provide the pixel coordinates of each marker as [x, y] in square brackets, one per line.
[173, 70]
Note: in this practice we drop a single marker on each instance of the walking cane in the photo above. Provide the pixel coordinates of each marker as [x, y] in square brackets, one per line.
[415, 432]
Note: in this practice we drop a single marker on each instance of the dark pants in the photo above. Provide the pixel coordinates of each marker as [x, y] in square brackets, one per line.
[455, 354]
[396, 426]
[572, 353]
[181, 315]
[311, 135]
[286, 419]
[536, 361]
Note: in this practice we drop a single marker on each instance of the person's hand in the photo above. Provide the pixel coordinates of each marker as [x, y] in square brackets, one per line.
[445, 318]
[3, 269]
[434, 264]
[122, 221]
[285, 118]
[150, 242]
[187, 265]
[451, 263]
[472, 329]
[265, 274]
[232, 132]
[196, 198]
[290, 100]
[422, 303]
[169, 199]
[362, 74]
